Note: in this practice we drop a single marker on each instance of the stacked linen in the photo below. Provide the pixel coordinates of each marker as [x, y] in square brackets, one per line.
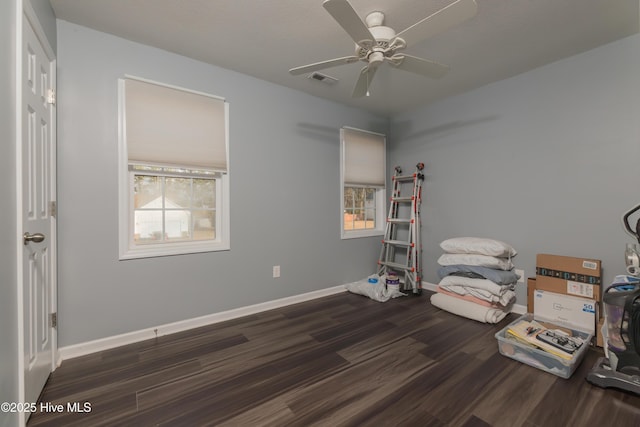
[477, 280]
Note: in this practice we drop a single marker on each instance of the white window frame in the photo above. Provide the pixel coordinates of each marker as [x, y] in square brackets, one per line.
[380, 196]
[128, 249]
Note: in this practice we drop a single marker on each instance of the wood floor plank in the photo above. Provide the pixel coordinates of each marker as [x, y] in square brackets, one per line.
[341, 360]
[273, 413]
[509, 401]
[362, 383]
[207, 400]
[414, 398]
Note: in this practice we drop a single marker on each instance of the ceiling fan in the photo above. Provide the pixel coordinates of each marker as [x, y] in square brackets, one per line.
[376, 43]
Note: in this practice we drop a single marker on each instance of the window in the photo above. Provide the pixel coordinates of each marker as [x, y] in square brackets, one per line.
[363, 168]
[174, 189]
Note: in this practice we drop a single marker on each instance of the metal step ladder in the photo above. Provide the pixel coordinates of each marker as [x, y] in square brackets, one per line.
[401, 251]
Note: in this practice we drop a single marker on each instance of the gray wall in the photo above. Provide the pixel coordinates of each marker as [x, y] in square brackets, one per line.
[285, 207]
[546, 161]
[8, 232]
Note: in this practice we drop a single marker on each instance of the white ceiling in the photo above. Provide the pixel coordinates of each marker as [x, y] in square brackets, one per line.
[265, 38]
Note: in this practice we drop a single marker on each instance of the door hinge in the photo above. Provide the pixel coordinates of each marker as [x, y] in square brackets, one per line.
[51, 96]
[54, 320]
[53, 208]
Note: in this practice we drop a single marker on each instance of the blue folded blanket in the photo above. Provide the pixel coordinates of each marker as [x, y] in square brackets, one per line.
[501, 277]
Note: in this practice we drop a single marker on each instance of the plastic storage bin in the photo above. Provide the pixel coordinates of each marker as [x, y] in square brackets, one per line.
[539, 358]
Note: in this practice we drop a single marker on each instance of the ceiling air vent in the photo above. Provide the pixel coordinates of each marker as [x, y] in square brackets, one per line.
[323, 78]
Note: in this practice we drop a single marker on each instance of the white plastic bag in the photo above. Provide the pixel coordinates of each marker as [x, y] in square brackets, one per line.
[374, 288]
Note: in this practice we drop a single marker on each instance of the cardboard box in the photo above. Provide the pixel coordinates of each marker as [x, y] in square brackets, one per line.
[575, 312]
[531, 287]
[569, 276]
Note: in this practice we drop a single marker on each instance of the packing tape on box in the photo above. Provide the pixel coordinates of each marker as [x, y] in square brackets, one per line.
[567, 275]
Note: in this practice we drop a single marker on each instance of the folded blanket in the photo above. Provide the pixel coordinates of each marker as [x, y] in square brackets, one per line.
[477, 260]
[468, 297]
[483, 289]
[468, 309]
[498, 276]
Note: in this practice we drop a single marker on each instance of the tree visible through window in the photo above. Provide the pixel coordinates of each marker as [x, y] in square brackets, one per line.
[359, 208]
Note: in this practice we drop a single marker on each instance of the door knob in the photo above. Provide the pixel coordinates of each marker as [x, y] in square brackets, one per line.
[35, 237]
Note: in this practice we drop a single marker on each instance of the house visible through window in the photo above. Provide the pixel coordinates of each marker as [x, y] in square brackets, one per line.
[174, 174]
[363, 182]
[171, 208]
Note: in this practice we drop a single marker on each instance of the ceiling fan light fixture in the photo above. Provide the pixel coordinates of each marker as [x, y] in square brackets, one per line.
[374, 19]
[322, 78]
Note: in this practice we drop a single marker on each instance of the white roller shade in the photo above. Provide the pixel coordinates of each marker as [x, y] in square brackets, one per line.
[364, 158]
[172, 126]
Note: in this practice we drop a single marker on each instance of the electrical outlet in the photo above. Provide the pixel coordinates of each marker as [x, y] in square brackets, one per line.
[276, 271]
[521, 274]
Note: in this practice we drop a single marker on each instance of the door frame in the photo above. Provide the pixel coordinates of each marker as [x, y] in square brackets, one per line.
[25, 12]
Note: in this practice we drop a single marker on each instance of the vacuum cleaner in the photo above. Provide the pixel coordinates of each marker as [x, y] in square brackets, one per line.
[621, 368]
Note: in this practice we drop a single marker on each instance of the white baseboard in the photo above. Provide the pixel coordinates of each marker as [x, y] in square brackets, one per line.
[517, 308]
[429, 286]
[82, 349]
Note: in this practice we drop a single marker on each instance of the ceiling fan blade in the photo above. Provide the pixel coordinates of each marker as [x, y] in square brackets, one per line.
[322, 65]
[343, 12]
[417, 65]
[364, 81]
[456, 13]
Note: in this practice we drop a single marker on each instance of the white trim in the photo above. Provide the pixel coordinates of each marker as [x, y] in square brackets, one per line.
[365, 131]
[82, 349]
[123, 177]
[21, 9]
[183, 89]
[429, 286]
[517, 308]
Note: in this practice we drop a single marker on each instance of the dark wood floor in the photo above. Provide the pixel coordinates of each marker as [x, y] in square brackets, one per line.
[343, 360]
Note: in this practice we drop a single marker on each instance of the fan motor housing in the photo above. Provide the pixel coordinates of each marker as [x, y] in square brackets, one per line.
[383, 35]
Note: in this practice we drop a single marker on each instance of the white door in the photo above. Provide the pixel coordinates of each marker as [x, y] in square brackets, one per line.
[38, 221]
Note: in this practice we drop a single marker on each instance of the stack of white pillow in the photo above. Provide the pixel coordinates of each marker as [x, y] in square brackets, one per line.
[477, 278]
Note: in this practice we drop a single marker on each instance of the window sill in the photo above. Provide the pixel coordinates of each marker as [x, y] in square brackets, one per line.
[361, 233]
[151, 251]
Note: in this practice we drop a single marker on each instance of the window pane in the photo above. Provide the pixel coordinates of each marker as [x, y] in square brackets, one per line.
[348, 197]
[360, 208]
[147, 226]
[204, 225]
[147, 192]
[370, 208]
[177, 192]
[370, 194]
[204, 193]
[348, 219]
[177, 224]
[358, 223]
[188, 212]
